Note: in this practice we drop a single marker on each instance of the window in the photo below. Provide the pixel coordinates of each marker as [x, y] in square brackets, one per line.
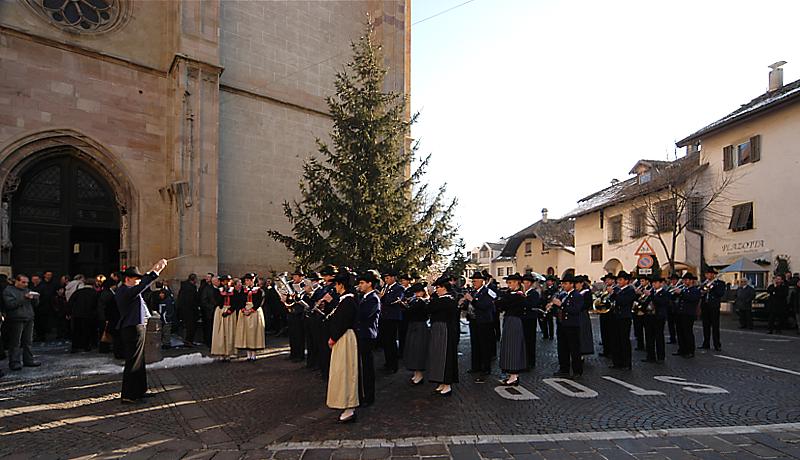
[665, 216]
[695, 209]
[645, 177]
[528, 248]
[597, 253]
[615, 229]
[742, 217]
[602, 217]
[509, 271]
[741, 154]
[638, 223]
[484, 254]
[499, 271]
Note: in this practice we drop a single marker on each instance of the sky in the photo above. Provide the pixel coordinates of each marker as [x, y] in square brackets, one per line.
[531, 104]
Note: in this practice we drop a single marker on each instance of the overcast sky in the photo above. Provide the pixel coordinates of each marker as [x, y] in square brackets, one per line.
[528, 104]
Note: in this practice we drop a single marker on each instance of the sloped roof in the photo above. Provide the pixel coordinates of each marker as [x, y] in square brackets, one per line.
[665, 172]
[495, 246]
[744, 265]
[767, 101]
[555, 233]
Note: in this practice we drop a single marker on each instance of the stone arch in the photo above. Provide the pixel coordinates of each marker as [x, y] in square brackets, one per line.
[613, 266]
[19, 155]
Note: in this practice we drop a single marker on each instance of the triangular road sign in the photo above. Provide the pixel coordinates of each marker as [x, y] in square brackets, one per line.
[645, 249]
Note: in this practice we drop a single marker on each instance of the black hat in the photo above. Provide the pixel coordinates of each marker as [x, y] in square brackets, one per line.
[225, 277]
[389, 273]
[569, 278]
[551, 278]
[130, 272]
[328, 270]
[689, 276]
[249, 276]
[582, 279]
[342, 278]
[513, 277]
[313, 276]
[442, 281]
[710, 269]
[298, 271]
[369, 276]
[406, 276]
[486, 274]
[417, 287]
[529, 277]
[653, 278]
[477, 276]
[624, 275]
[674, 276]
[608, 276]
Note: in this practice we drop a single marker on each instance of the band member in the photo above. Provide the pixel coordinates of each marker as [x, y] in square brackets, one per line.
[688, 304]
[493, 286]
[654, 319]
[250, 334]
[606, 319]
[582, 285]
[546, 321]
[530, 317]
[480, 307]
[223, 340]
[418, 334]
[405, 283]
[133, 315]
[713, 290]
[391, 306]
[674, 280]
[322, 305]
[295, 323]
[776, 303]
[744, 303]
[445, 332]
[343, 375]
[367, 327]
[567, 310]
[642, 292]
[512, 342]
[316, 335]
[623, 299]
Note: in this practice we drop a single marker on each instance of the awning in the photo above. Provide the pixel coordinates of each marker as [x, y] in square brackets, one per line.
[724, 261]
[743, 265]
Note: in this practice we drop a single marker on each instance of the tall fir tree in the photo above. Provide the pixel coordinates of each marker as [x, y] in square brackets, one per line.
[363, 203]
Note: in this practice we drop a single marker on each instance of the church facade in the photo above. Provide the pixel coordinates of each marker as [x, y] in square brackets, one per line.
[136, 130]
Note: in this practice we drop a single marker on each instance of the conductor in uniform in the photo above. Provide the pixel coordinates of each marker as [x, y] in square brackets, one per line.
[133, 316]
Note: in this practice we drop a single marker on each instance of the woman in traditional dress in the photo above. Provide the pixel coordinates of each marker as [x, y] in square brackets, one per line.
[512, 342]
[343, 374]
[443, 349]
[415, 355]
[250, 335]
[223, 339]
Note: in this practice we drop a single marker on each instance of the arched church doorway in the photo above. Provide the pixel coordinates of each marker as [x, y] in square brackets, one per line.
[64, 218]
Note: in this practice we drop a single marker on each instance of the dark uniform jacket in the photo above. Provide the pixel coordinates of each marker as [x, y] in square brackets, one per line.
[688, 300]
[532, 304]
[512, 303]
[209, 298]
[777, 296]
[343, 317]
[83, 303]
[624, 298]
[483, 305]
[571, 307]
[391, 302]
[714, 295]
[662, 302]
[131, 306]
[417, 310]
[368, 315]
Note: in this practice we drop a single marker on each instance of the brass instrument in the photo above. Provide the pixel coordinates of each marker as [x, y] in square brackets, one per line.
[643, 305]
[677, 289]
[602, 303]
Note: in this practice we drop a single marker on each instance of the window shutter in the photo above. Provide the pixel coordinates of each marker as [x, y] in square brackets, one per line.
[747, 214]
[734, 217]
[755, 148]
[727, 158]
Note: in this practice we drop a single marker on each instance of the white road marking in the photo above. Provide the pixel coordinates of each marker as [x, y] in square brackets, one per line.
[517, 393]
[633, 388]
[561, 385]
[691, 386]
[578, 436]
[765, 366]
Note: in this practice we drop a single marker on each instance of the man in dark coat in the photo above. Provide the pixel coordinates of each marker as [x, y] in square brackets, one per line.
[688, 302]
[19, 303]
[189, 307]
[209, 293]
[481, 314]
[391, 314]
[568, 314]
[654, 319]
[623, 313]
[776, 303]
[713, 291]
[133, 317]
[530, 318]
[744, 303]
[82, 307]
[367, 334]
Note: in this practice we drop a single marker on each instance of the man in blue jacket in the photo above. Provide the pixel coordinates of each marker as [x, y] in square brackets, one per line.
[481, 320]
[568, 332]
[688, 301]
[530, 318]
[133, 317]
[367, 334]
[391, 314]
[654, 319]
[713, 291]
[623, 313]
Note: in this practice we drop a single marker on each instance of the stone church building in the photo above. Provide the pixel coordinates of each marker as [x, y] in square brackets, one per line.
[132, 130]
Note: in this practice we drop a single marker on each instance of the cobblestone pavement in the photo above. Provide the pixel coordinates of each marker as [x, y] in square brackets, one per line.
[738, 403]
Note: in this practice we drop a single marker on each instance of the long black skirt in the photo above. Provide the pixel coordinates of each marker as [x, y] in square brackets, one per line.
[512, 345]
[586, 335]
[443, 354]
[415, 354]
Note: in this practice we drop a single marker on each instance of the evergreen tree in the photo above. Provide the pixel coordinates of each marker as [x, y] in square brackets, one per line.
[362, 204]
[459, 261]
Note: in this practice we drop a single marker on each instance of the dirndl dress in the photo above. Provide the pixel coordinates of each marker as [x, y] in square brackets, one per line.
[223, 338]
[250, 329]
[512, 345]
[343, 375]
[415, 353]
[437, 352]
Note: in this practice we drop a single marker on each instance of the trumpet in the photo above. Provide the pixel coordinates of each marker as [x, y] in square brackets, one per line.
[642, 304]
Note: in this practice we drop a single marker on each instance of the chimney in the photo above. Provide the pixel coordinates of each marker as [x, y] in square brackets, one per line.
[776, 76]
[544, 215]
[614, 181]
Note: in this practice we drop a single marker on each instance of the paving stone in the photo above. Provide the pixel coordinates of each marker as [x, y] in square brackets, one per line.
[464, 452]
[432, 449]
[375, 453]
[715, 443]
[407, 451]
[615, 454]
[288, 454]
[762, 451]
[346, 453]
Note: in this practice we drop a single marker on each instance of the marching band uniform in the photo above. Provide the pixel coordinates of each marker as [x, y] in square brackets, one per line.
[585, 323]
[546, 320]
[250, 326]
[638, 317]
[391, 302]
[324, 352]
[343, 375]
[415, 356]
[655, 317]
[530, 318]
[672, 312]
[513, 358]
[482, 338]
[569, 347]
[713, 291]
[402, 332]
[688, 302]
[297, 336]
[623, 298]
[223, 340]
[606, 320]
[445, 333]
[368, 316]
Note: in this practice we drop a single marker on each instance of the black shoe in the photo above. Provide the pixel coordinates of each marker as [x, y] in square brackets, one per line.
[704, 347]
[149, 394]
[15, 367]
[690, 355]
[770, 332]
[561, 374]
[33, 364]
[366, 403]
[479, 380]
[577, 376]
[131, 401]
[648, 360]
[717, 348]
[677, 354]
